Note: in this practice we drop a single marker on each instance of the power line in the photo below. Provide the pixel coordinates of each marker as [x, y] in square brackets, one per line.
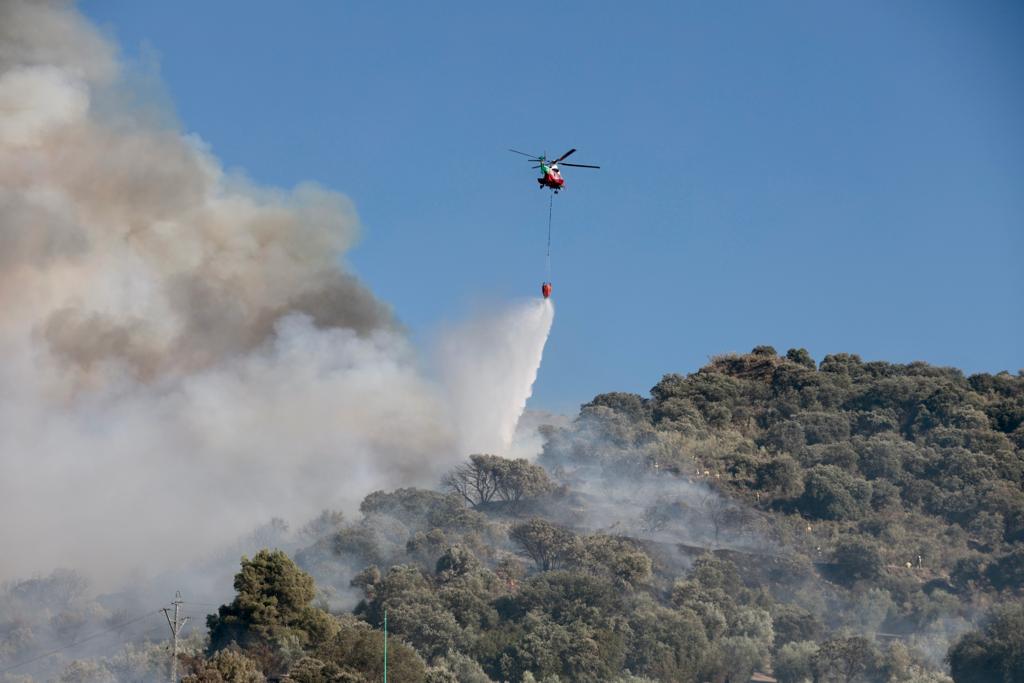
[150, 636]
[79, 642]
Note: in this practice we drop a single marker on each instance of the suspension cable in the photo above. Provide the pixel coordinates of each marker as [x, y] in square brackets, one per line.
[547, 268]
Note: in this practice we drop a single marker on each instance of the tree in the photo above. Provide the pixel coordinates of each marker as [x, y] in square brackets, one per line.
[679, 414]
[1008, 571]
[566, 596]
[548, 545]
[857, 559]
[995, 654]
[228, 665]
[420, 509]
[847, 660]
[415, 611]
[575, 650]
[488, 478]
[706, 389]
[457, 668]
[273, 603]
[722, 513]
[456, 561]
[520, 479]
[785, 436]
[666, 644]
[357, 647]
[86, 671]
[781, 475]
[358, 544]
[756, 624]
[842, 364]
[795, 662]
[793, 623]
[308, 670]
[475, 481]
[426, 625]
[427, 548]
[831, 493]
[616, 557]
[717, 573]
[60, 591]
[870, 609]
[327, 523]
[801, 357]
[740, 656]
[972, 659]
[824, 426]
[872, 422]
[633, 406]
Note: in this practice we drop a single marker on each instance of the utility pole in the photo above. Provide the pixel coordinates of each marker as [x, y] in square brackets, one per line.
[385, 646]
[176, 625]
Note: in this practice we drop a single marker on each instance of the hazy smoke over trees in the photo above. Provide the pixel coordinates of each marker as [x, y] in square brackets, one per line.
[182, 354]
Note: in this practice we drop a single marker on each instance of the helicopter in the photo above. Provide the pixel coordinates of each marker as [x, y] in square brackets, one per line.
[552, 177]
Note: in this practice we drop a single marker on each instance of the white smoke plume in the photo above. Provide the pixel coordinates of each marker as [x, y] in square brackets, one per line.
[182, 354]
[489, 366]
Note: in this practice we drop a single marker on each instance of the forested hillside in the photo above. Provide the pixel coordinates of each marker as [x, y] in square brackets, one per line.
[848, 521]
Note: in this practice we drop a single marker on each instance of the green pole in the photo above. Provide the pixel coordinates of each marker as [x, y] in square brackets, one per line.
[385, 646]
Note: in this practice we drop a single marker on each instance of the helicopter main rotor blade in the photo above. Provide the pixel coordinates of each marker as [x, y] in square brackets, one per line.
[532, 156]
[581, 165]
[565, 155]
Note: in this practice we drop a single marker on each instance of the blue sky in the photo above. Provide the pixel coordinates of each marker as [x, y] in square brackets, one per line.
[839, 176]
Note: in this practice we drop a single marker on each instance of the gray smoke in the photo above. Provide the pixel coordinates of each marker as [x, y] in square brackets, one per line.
[182, 353]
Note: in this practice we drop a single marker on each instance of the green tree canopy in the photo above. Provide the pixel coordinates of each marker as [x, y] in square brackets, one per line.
[273, 603]
[489, 478]
[995, 654]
